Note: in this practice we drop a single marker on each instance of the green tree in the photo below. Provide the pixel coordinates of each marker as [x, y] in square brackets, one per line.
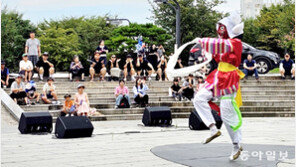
[125, 37]
[62, 44]
[273, 29]
[14, 32]
[198, 18]
[90, 31]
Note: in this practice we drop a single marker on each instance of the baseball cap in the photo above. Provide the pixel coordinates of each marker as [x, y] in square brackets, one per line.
[25, 54]
[45, 54]
[80, 85]
[3, 62]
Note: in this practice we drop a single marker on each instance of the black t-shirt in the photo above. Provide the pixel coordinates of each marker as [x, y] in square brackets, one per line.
[45, 66]
[109, 65]
[143, 65]
[129, 65]
[176, 87]
[287, 64]
[98, 65]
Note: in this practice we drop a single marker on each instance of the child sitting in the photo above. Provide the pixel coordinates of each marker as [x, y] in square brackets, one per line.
[31, 92]
[68, 107]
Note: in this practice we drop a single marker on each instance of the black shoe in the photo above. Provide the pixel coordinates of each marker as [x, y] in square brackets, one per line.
[71, 80]
[33, 103]
[292, 78]
[82, 80]
[283, 78]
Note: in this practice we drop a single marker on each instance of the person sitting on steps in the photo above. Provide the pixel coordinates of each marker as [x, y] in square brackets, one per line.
[76, 69]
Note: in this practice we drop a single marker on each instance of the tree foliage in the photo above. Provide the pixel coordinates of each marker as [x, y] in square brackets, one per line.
[124, 38]
[62, 44]
[198, 18]
[273, 29]
[89, 30]
[14, 32]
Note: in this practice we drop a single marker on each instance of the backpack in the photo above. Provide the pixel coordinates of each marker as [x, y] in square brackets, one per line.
[124, 103]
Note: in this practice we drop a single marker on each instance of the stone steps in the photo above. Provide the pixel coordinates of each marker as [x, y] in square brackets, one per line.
[110, 99]
[270, 98]
[113, 84]
[99, 106]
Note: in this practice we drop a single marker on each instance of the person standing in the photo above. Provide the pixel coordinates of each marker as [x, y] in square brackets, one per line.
[32, 48]
[287, 67]
[103, 50]
[4, 75]
[160, 52]
[26, 68]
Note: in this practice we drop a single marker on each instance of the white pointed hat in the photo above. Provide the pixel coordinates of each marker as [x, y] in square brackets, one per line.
[233, 23]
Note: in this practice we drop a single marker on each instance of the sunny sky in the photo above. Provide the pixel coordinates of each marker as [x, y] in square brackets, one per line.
[134, 10]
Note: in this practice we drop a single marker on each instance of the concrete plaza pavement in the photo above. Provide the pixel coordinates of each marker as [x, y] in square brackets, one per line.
[127, 143]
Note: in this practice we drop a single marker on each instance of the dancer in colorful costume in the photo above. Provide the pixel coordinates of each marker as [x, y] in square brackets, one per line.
[224, 81]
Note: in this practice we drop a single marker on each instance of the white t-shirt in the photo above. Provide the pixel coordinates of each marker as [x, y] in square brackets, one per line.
[26, 65]
[47, 88]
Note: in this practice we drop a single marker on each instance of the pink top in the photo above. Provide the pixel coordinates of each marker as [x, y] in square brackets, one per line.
[123, 91]
[81, 98]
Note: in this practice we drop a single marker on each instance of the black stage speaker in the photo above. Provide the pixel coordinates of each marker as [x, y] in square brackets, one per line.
[195, 122]
[34, 122]
[154, 116]
[71, 127]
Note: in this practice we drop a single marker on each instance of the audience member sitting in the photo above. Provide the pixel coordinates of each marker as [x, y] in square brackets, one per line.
[113, 68]
[187, 88]
[76, 69]
[176, 90]
[26, 68]
[97, 67]
[103, 50]
[287, 67]
[4, 75]
[143, 67]
[68, 107]
[49, 92]
[18, 90]
[179, 63]
[81, 101]
[250, 67]
[44, 67]
[32, 93]
[129, 68]
[121, 92]
[140, 93]
[161, 69]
